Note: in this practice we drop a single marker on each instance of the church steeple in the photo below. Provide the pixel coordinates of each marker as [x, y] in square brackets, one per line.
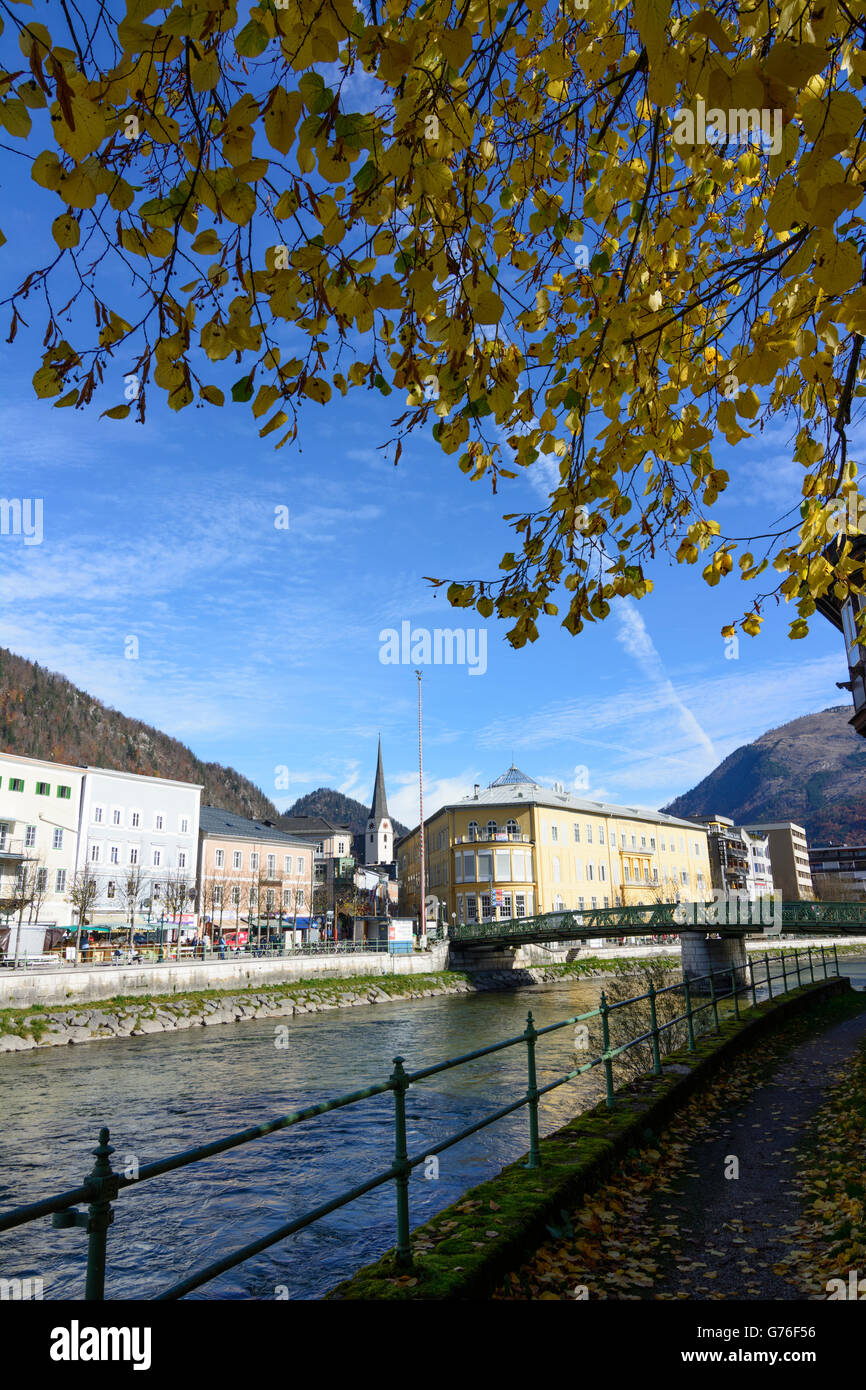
[379, 840]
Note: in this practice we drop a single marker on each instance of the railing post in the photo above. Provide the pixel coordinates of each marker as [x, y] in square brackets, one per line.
[532, 1093]
[605, 1047]
[752, 977]
[689, 1017]
[797, 959]
[734, 991]
[811, 966]
[657, 1062]
[836, 957]
[400, 1083]
[769, 976]
[100, 1216]
[784, 973]
[823, 963]
[714, 999]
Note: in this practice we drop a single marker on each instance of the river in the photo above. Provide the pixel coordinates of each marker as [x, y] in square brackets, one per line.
[164, 1093]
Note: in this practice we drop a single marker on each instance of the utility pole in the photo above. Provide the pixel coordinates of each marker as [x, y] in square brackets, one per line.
[423, 913]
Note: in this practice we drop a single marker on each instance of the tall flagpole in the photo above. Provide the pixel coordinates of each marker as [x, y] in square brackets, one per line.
[423, 913]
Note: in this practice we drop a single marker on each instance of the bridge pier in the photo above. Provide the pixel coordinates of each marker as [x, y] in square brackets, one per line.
[702, 954]
[481, 957]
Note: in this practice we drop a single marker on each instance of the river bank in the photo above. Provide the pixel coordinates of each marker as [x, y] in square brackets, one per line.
[125, 1016]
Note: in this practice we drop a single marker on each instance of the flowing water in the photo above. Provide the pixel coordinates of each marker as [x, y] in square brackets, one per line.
[163, 1093]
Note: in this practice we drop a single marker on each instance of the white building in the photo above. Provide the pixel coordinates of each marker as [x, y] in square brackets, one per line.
[40, 805]
[759, 874]
[137, 828]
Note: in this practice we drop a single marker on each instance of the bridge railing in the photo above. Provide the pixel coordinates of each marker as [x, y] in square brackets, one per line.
[102, 1186]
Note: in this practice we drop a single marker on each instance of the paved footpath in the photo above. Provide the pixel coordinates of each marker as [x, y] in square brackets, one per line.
[739, 1228]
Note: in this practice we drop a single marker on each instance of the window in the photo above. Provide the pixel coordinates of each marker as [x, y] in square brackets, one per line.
[157, 858]
[157, 891]
[184, 825]
[513, 829]
[643, 841]
[254, 860]
[16, 784]
[469, 866]
[41, 880]
[272, 865]
[607, 902]
[601, 834]
[43, 789]
[682, 844]
[97, 814]
[646, 873]
[218, 897]
[520, 900]
[594, 902]
[111, 890]
[492, 829]
[219, 858]
[287, 897]
[287, 863]
[60, 881]
[656, 875]
[133, 855]
[506, 904]
[589, 834]
[237, 859]
[135, 819]
[236, 896]
[114, 854]
[115, 817]
[685, 876]
[157, 822]
[625, 871]
[341, 847]
[473, 830]
[471, 908]
[94, 854]
[458, 867]
[64, 793]
[652, 841]
[503, 865]
[57, 839]
[697, 849]
[299, 897]
[661, 844]
[558, 904]
[634, 842]
[613, 839]
[580, 904]
[601, 872]
[181, 859]
[589, 872]
[29, 836]
[554, 833]
[576, 833]
[485, 905]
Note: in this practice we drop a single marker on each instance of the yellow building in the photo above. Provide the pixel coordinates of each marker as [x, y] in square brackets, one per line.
[517, 848]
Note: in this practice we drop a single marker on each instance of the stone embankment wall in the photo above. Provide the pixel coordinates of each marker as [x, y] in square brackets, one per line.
[131, 1018]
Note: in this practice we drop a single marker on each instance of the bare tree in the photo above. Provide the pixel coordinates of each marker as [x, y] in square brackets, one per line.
[131, 889]
[82, 895]
[176, 894]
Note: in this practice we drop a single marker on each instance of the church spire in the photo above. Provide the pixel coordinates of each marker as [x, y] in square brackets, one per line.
[379, 809]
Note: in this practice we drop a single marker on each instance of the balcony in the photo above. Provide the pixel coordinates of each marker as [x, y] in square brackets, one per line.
[500, 838]
[16, 849]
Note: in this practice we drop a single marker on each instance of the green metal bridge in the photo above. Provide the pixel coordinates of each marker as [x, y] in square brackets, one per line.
[734, 917]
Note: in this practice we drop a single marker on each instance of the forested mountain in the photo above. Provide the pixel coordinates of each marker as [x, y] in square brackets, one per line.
[43, 715]
[342, 810]
[811, 770]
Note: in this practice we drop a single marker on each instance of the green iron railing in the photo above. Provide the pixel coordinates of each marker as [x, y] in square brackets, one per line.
[657, 919]
[102, 1186]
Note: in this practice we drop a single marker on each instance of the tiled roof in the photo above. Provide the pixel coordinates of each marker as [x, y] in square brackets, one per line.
[214, 821]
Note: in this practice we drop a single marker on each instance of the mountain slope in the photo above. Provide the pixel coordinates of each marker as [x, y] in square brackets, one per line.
[334, 806]
[811, 770]
[43, 715]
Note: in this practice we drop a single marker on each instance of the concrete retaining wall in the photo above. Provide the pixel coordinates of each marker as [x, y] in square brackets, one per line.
[21, 989]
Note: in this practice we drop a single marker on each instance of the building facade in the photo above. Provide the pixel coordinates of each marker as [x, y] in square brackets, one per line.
[333, 860]
[789, 858]
[249, 868]
[517, 848]
[839, 872]
[40, 806]
[139, 841]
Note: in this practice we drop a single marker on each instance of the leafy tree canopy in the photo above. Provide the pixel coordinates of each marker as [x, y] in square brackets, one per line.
[595, 232]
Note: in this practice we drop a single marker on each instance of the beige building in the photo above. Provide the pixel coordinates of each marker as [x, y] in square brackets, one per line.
[517, 848]
[789, 857]
[249, 867]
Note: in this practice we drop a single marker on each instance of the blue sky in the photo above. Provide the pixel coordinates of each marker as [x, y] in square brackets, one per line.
[260, 648]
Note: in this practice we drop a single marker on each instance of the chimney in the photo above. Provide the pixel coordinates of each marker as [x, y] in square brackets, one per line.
[477, 789]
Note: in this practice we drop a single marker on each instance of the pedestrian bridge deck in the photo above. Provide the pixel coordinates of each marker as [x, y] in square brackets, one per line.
[734, 917]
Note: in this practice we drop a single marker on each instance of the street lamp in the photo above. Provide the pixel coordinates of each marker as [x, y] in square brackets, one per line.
[161, 924]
